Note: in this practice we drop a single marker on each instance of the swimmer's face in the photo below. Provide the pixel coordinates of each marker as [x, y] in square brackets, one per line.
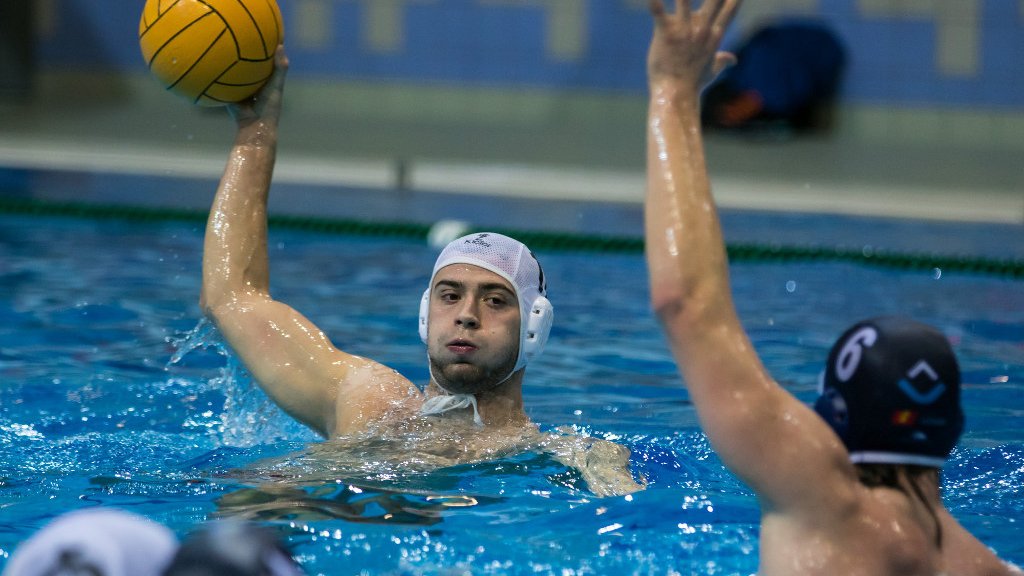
[473, 328]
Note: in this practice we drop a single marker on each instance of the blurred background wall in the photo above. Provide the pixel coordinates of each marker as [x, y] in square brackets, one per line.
[932, 87]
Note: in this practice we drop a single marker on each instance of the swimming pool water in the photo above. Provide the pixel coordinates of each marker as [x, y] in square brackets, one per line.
[112, 393]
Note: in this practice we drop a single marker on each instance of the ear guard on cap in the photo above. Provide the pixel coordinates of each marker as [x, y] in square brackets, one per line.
[831, 406]
[538, 327]
[424, 311]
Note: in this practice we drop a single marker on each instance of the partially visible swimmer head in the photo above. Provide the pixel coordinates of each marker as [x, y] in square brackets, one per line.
[96, 541]
[513, 261]
[891, 391]
[231, 548]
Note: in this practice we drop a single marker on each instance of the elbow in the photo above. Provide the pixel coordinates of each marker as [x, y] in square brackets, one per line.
[214, 308]
[669, 304]
[208, 305]
[217, 297]
[667, 307]
[204, 304]
[682, 311]
[229, 307]
[211, 312]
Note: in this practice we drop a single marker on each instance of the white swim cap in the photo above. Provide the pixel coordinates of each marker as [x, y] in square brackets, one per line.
[96, 540]
[513, 261]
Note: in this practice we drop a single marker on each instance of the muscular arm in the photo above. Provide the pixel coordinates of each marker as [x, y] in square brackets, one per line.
[290, 358]
[761, 432]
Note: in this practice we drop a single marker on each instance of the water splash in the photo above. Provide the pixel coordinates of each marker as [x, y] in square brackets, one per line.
[204, 335]
[248, 417]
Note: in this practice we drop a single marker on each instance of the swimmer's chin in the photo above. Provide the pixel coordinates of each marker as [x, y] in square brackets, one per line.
[465, 378]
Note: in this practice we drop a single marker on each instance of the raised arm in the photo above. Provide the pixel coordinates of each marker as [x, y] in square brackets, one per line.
[235, 263]
[291, 359]
[758, 429]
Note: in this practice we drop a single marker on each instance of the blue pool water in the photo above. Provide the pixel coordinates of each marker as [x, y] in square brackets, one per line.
[112, 393]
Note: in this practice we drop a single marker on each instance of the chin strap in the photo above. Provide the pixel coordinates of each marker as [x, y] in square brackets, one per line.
[449, 401]
[444, 403]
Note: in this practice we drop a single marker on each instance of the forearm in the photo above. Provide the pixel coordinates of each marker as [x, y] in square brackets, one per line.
[761, 432]
[744, 413]
[235, 251]
[685, 252]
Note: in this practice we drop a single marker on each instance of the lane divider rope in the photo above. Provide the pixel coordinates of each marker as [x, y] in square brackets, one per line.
[748, 252]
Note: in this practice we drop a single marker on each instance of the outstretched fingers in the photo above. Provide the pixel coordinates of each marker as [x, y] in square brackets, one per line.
[266, 103]
[683, 9]
[723, 12]
[685, 43]
[715, 15]
[657, 8]
[275, 87]
[280, 57]
[723, 61]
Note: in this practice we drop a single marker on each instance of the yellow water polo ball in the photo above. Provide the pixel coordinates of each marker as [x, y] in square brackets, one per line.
[212, 52]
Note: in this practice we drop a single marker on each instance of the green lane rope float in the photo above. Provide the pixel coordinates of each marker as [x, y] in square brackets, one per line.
[753, 252]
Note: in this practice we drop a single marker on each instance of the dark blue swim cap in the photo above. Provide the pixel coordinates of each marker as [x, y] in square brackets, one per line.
[891, 391]
[233, 548]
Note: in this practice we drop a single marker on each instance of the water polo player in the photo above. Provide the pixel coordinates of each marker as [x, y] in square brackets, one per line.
[855, 490]
[484, 316]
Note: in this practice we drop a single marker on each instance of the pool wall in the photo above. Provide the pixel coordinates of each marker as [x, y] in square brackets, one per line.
[538, 100]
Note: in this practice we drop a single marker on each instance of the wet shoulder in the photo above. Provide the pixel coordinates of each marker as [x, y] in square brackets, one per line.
[372, 393]
[882, 534]
[968, 556]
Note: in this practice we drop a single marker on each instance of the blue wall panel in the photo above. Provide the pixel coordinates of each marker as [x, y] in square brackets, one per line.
[894, 57]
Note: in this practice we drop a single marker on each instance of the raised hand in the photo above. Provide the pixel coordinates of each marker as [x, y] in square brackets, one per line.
[266, 104]
[685, 43]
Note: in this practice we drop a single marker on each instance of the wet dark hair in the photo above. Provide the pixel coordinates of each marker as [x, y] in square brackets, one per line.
[903, 477]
